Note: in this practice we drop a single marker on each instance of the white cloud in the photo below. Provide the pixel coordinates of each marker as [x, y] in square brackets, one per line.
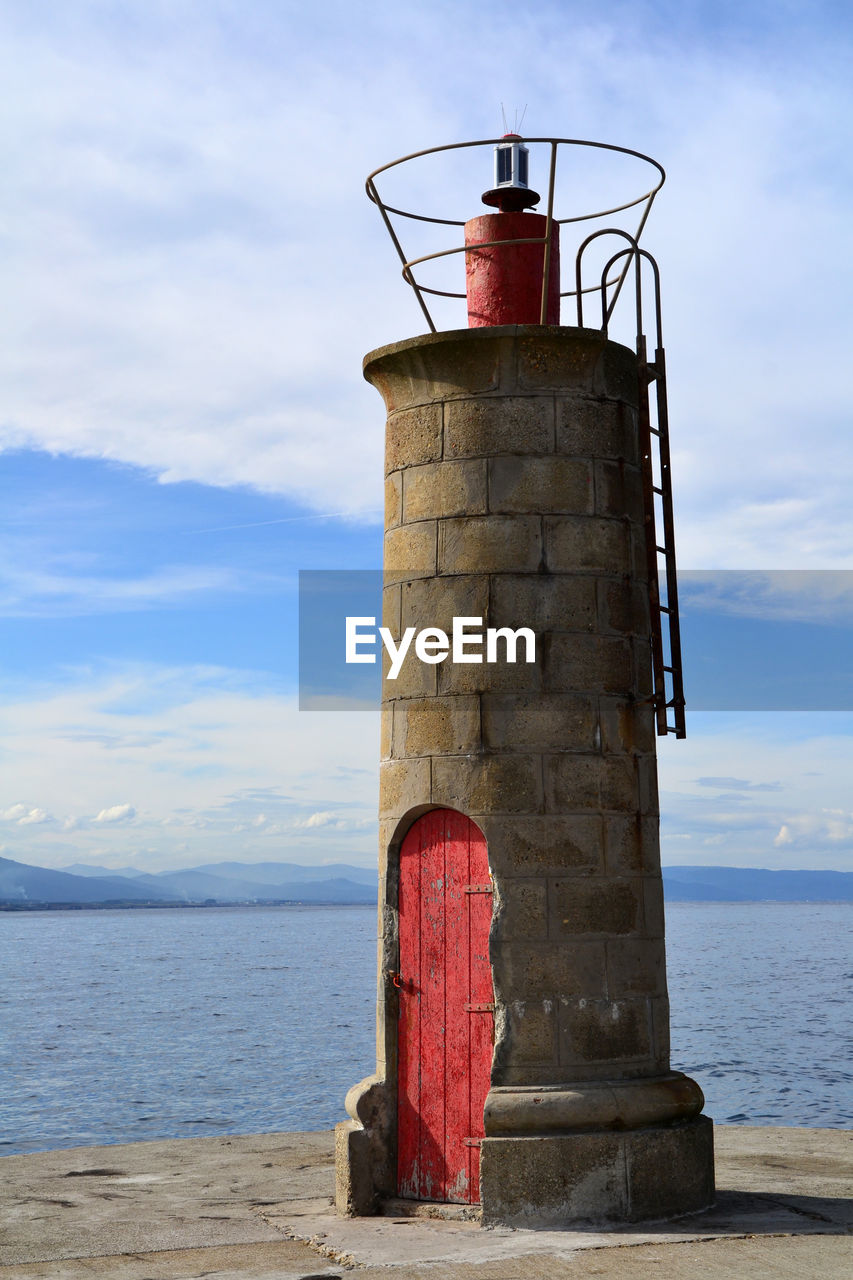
[14, 813]
[25, 817]
[319, 820]
[32, 585]
[225, 768]
[35, 817]
[177, 305]
[116, 813]
[790, 816]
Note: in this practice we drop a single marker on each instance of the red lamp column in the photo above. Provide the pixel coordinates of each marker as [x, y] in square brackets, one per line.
[504, 277]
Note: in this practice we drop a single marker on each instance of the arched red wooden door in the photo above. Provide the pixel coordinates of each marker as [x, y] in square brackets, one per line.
[446, 1026]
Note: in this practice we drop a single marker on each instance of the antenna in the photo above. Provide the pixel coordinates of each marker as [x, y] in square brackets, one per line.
[503, 115]
[519, 123]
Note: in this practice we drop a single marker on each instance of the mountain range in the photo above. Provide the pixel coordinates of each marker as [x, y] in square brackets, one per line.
[225, 882]
[340, 883]
[754, 884]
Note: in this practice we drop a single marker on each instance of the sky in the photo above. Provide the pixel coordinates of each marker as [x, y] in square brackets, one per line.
[192, 274]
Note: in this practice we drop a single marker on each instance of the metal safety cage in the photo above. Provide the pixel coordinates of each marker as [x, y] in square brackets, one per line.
[389, 212]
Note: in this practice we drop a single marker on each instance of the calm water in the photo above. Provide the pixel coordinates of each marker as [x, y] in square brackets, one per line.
[117, 1026]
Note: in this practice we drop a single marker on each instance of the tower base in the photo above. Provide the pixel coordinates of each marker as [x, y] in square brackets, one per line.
[598, 1177]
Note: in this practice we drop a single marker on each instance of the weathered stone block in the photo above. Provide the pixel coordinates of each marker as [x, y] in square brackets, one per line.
[561, 1180]
[439, 365]
[670, 1170]
[647, 766]
[522, 912]
[572, 782]
[391, 606]
[550, 722]
[551, 845]
[547, 971]
[660, 1031]
[393, 499]
[355, 1194]
[386, 731]
[403, 784]
[619, 490]
[653, 906]
[509, 424]
[643, 667]
[547, 602]
[435, 602]
[619, 783]
[531, 1033]
[576, 782]
[415, 679]
[623, 606]
[626, 727]
[639, 554]
[598, 664]
[575, 544]
[437, 726]
[413, 436]
[487, 784]
[590, 428]
[410, 551]
[442, 489]
[489, 544]
[617, 375]
[538, 485]
[604, 1030]
[631, 1102]
[581, 906]
[632, 845]
[635, 967]
[557, 1180]
[550, 361]
[508, 677]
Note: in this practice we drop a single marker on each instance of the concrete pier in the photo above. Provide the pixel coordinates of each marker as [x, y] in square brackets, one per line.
[262, 1207]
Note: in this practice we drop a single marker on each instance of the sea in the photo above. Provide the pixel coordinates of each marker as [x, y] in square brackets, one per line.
[120, 1026]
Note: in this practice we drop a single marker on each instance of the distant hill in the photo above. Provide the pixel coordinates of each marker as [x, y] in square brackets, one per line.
[85, 869]
[754, 884]
[196, 885]
[22, 883]
[338, 883]
[290, 872]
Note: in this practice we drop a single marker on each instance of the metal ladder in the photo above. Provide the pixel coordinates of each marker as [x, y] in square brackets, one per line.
[668, 681]
[667, 677]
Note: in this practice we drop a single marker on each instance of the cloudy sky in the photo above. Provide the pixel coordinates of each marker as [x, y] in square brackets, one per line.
[191, 276]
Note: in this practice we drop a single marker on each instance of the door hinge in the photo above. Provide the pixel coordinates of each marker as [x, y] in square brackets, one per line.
[479, 1008]
[471, 1142]
[479, 888]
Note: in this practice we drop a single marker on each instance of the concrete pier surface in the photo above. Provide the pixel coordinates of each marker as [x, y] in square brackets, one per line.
[261, 1207]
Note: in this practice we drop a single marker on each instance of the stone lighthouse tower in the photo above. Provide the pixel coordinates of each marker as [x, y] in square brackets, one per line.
[523, 1024]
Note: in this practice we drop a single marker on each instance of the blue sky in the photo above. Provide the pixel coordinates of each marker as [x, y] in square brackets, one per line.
[192, 274]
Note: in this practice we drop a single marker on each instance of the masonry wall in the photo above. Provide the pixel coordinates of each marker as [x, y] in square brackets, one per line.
[514, 494]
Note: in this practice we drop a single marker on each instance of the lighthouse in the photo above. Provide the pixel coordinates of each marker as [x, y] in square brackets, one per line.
[523, 1071]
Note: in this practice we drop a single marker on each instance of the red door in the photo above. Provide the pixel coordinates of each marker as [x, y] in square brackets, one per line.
[446, 1026]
